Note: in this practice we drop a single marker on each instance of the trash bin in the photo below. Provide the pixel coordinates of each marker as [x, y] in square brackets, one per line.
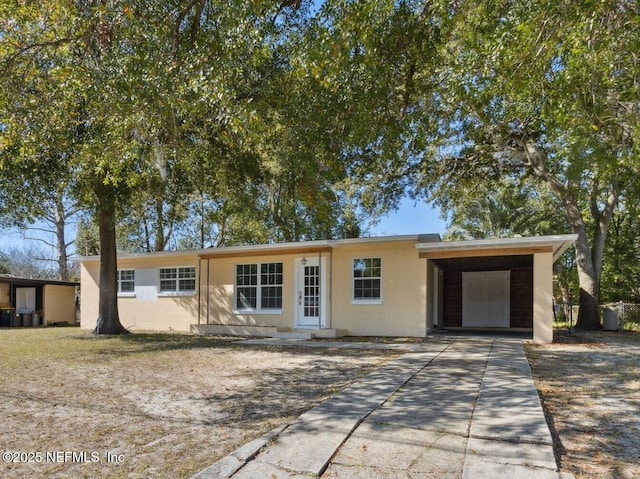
[610, 320]
[26, 320]
[5, 317]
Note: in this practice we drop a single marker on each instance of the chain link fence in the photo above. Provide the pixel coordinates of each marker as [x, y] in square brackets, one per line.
[627, 315]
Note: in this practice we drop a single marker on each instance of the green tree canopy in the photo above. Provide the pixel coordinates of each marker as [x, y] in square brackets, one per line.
[129, 99]
[548, 92]
[302, 113]
[544, 92]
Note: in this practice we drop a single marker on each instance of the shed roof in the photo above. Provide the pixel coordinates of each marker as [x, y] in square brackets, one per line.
[7, 278]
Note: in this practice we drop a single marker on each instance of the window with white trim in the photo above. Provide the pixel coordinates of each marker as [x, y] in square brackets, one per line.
[178, 280]
[246, 286]
[126, 280]
[367, 280]
[258, 287]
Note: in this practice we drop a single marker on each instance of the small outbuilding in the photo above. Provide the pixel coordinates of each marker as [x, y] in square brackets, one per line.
[36, 302]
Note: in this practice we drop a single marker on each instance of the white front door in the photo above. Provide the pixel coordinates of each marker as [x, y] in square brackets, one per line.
[486, 299]
[25, 300]
[310, 293]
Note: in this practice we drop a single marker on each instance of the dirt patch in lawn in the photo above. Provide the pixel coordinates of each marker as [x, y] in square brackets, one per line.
[148, 405]
[590, 388]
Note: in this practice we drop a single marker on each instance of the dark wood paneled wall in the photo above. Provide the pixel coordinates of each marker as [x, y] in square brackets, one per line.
[521, 298]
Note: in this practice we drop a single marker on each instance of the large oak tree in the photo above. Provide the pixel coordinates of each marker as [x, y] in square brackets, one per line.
[548, 92]
[460, 95]
[373, 97]
[110, 94]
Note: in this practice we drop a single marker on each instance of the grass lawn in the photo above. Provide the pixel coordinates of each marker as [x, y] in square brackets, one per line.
[590, 389]
[152, 405]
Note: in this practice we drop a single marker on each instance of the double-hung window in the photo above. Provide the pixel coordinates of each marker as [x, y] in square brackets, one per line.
[178, 280]
[367, 280]
[126, 281]
[259, 287]
[246, 286]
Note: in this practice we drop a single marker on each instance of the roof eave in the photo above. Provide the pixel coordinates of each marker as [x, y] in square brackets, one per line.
[556, 244]
[308, 247]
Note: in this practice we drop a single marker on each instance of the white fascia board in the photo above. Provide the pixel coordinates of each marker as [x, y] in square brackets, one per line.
[275, 247]
[559, 243]
[205, 251]
[152, 254]
[283, 247]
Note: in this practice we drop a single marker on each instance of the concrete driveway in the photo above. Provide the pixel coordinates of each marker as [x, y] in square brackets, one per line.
[448, 408]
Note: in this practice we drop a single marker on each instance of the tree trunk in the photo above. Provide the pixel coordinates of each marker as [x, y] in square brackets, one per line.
[160, 242]
[588, 259]
[589, 312]
[61, 242]
[589, 296]
[201, 198]
[108, 321]
[566, 302]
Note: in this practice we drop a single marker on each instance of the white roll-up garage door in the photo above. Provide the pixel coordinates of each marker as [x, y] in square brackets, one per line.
[485, 299]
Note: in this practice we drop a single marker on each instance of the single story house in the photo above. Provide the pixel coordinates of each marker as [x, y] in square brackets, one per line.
[407, 285]
[36, 302]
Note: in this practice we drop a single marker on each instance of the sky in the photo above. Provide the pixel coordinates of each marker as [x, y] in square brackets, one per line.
[15, 239]
[411, 218]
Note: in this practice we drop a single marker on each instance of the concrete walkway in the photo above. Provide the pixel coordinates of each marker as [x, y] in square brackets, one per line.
[450, 408]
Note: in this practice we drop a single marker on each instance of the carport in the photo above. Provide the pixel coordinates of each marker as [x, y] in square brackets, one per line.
[493, 285]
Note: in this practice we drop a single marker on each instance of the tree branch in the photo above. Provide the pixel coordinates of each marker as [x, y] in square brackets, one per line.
[536, 159]
[44, 230]
[612, 201]
[41, 240]
[408, 87]
[596, 214]
[284, 4]
[602, 227]
[176, 29]
[35, 46]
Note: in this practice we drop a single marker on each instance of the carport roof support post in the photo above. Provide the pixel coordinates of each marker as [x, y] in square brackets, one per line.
[543, 297]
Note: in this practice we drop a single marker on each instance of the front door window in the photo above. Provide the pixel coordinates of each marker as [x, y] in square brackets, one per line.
[310, 292]
[311, 295]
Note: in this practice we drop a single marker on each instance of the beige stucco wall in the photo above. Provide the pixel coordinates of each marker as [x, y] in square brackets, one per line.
[543, 297]
[4, 295]
[406, 308]
[221, 307]
[59, 303]
[89, 274]
[146, 309]
[402, 311]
